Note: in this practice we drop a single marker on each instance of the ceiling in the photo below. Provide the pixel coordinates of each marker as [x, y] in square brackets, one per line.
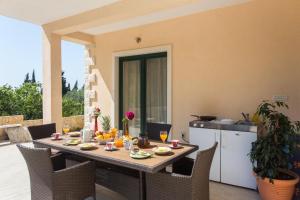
[45, 11]
[200, 6]
[42, 12]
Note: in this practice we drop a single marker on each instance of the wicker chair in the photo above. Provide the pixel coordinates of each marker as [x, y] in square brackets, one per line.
[164, 186]
[153, 130]
[51, 181]
[42, 131]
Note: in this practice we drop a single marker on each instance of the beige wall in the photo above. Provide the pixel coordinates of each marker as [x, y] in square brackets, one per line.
[224, 61]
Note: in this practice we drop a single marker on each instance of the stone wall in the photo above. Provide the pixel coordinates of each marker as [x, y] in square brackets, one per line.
[4, 120]
[73, 122]
[34, 122]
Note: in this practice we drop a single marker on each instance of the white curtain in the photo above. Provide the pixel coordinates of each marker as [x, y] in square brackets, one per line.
[131, 93]
[157, 90]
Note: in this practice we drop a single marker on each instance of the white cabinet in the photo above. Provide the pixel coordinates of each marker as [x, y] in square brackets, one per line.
[231, 163]
[206, 138]
[236, 168]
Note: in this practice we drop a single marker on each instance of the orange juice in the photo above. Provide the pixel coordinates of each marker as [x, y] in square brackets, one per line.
[119, 142]
[66, 130]
[163, 135]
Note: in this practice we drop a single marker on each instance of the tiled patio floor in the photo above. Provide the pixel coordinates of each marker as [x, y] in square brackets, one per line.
[14, 182]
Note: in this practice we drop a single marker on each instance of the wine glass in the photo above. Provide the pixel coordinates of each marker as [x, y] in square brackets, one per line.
[163, 136]
[66, 129]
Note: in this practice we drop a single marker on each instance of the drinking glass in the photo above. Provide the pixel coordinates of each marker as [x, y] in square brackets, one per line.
[66, 129]
[163, 136]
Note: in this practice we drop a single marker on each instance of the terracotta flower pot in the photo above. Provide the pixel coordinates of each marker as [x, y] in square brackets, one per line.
[279, 189]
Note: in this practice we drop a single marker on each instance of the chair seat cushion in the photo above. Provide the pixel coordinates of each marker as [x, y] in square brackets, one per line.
[18, 134]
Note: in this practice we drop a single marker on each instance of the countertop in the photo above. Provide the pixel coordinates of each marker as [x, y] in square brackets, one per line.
[229, 127]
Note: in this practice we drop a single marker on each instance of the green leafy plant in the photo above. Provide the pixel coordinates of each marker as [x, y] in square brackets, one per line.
[8, 101]
[105, 122]
[29, 100]
[73, 103]
[275, 144]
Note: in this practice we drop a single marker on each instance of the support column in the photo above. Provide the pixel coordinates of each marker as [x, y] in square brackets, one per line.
[52, 84]
[90, 79]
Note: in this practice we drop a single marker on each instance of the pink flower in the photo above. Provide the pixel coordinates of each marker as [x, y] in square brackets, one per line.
[130, 115]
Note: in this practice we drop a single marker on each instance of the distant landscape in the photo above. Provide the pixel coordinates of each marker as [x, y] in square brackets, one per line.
[27, 98]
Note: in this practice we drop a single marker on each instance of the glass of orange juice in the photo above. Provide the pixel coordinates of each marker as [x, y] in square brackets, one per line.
[66, 129]
[118, 142]
[163, 136]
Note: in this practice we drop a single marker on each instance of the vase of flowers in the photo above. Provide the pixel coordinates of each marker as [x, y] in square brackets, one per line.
[128, 117]
[96, 114]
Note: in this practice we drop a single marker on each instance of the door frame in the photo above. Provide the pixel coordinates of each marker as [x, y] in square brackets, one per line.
[115, 78]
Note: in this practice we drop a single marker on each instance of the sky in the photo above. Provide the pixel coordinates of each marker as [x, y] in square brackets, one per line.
[21, 53]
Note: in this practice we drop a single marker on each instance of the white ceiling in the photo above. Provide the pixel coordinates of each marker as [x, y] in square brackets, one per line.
[45, 11]
[200, 6]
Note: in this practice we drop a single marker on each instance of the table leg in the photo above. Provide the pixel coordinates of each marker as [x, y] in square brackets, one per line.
[142, 185]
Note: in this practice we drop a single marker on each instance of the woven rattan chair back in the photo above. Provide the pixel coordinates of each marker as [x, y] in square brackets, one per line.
[200, 173]
[42, 131]
[153, 130]
[40, 170]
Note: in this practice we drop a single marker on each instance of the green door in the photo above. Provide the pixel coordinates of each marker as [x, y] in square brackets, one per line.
[143, 89]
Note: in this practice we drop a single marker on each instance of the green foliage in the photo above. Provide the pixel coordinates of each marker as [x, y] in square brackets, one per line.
[27, 80]
[75, 87]
[65, 86]
[106, 123]
[73, 103]
[8, 104]
[276, 142]
[29, 100]
[33, 77]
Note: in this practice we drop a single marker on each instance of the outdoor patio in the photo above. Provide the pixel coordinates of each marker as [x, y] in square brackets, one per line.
[192, 87]
[14, 182]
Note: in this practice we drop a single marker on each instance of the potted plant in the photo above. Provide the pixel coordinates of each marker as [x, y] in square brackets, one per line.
[272, 152]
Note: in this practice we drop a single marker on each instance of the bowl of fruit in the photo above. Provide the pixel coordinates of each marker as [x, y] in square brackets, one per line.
[103, 138]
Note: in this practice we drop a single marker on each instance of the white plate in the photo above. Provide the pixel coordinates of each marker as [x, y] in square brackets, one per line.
[87, 146]
[162, 150]
[179, 146]
[139, 155]
[74, 134]
[72, 142]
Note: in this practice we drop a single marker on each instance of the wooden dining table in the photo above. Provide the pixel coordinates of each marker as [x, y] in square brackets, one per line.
[121, 157]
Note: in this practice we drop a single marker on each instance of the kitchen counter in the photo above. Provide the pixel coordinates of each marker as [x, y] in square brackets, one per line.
[229, 127]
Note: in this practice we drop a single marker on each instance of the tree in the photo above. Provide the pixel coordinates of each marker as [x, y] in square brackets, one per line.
[65, 86]
[73, 103]
[8, 99]
[33, 77]
[27, 80]
[75, 87]
[29, 101]
[71, 107]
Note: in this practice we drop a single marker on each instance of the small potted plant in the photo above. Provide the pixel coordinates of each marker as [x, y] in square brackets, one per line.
[272, 152]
